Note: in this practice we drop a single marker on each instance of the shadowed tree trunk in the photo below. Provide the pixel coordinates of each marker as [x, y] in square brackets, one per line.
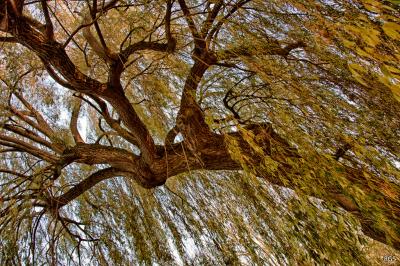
[201, 147]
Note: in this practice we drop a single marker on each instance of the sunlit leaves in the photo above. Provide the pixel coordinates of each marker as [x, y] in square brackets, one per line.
[329, 101]
[379, 34]
[392, 30]
[356, 71]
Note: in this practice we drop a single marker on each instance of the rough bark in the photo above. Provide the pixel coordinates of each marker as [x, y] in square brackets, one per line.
[201, 148]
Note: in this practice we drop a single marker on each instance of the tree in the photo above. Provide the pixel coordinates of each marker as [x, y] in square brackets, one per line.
[292, 105]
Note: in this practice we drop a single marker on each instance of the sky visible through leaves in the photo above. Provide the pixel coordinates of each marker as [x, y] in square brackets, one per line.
[319, 186]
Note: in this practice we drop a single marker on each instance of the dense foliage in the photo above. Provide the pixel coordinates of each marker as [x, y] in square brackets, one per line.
[216, 132]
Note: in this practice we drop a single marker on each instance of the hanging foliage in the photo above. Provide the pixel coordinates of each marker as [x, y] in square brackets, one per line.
[240, 132]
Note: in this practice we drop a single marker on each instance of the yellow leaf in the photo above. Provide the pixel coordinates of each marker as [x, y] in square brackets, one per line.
[372, 8]
[363, 53]
[384, 80]
[396, 91]
[372, 5]
[393, 69]
[355, 69]
[371, 37]
[392, 30]
[348, 44]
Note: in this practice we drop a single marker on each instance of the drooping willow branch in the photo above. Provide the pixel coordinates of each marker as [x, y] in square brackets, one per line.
[201, 147]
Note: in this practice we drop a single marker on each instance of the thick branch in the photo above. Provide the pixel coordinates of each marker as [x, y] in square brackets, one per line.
[92, 154]
[49, 24]
[23, 132]
[84, 186]
[169, 139]
[74, 122]
[113, 123]
[26, 147]
[55, 56]
[55, 76]
[190, 120]
[132, 121]
[8, 39]
[168, 26]
[118, 65]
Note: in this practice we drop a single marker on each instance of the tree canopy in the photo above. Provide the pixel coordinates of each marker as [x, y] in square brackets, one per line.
[215, 132]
